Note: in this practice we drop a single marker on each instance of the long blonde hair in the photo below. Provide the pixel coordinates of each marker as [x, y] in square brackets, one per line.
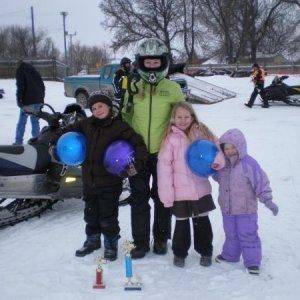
[196, 125]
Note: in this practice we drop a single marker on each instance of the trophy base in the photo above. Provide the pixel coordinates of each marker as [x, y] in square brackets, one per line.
[133, 286]
[98, 286]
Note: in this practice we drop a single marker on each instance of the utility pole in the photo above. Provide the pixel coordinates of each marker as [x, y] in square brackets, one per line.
[33, 33]
[71, 49]
[64, 14]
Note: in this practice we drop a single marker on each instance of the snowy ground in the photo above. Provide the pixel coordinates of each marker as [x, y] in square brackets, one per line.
[37, 256]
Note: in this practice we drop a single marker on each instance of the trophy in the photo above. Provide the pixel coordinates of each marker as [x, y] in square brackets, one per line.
[99, 274]
[130, 284]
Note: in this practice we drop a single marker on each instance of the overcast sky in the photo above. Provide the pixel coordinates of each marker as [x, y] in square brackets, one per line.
[84, 17]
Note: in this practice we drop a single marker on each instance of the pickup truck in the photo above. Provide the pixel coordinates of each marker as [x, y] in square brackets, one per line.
[81, 86]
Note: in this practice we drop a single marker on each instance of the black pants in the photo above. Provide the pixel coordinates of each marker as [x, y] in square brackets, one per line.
[101, 211]
[259, 89]
[140, 208]
[203, 237]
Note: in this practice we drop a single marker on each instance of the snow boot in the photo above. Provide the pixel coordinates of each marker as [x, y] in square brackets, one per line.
[160, 247]
[205, 261]
[248, 105]
[254, 270]
[178, 261]
[219, 258]
[91, 244]
[111, 247]
[139, 251]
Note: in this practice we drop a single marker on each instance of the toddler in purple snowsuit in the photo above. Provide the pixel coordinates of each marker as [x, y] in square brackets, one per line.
[241, 182]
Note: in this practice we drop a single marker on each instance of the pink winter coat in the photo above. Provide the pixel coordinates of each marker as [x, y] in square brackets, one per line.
[175, 180]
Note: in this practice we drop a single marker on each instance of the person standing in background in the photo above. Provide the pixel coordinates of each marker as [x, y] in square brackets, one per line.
[30, 95]
[258, 78]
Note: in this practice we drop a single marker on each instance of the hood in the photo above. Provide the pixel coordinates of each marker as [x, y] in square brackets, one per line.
[236, 138]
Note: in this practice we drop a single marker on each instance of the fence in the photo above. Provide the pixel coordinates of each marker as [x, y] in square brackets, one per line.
[271, 69]
[51, 69]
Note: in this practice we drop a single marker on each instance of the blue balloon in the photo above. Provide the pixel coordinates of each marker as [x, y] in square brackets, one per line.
[200, 155]
[118, 155]
[71, 148]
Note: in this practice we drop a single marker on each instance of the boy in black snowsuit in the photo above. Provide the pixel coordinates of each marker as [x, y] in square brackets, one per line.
[101, 190]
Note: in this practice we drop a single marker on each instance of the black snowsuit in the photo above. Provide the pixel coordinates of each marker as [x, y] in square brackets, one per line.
[101, 189]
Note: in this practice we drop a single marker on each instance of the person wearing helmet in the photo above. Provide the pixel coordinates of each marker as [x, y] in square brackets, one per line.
[120, 80]
[258, 78]
[147, 108]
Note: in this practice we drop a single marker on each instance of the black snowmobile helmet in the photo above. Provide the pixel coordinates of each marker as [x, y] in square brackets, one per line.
[255, 65]
[124, 61]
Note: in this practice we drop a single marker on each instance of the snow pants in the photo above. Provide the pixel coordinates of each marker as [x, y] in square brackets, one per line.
[203, 237]
[140, 208]
[101, 211]
[258, 89]
[241, 237]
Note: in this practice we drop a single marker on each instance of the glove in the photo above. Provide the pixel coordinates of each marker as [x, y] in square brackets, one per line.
[272, 207]
[129, 171]
[52, 153]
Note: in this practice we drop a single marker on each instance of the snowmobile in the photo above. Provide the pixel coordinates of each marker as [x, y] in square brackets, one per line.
[31, 181]
[279, 91]
[1, 93]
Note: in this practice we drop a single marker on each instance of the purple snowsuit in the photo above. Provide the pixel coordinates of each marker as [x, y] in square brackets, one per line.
[240, 184]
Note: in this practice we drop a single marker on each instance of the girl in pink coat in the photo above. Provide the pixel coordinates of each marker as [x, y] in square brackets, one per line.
[188, 195]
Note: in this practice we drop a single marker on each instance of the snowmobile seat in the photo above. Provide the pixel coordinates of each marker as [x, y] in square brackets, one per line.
[23, 159]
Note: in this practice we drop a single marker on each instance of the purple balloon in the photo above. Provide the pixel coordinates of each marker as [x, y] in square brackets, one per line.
[118, 156]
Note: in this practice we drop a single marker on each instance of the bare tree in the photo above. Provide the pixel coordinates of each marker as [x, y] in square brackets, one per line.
[16, 42]
[88, 57]
[133, 20]
[243, 27]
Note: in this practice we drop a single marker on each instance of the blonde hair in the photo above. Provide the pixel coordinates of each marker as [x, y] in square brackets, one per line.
[205, 132]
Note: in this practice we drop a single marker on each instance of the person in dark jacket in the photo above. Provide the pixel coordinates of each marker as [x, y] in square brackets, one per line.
[258, 78]
[101, 190]
[120, 80]
[30, 95]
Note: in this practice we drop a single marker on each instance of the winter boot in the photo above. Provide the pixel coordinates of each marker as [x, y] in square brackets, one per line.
[205, 261]
[178, 261]
[92, 243]
[111, 247]
[139, 251]
[160, 247]
[219, 258]
[248, 105]
[254, 270]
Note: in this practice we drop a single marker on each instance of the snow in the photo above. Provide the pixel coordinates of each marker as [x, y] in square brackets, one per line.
[37, 256]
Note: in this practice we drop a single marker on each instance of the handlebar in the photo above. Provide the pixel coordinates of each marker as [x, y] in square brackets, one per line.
[51, 118]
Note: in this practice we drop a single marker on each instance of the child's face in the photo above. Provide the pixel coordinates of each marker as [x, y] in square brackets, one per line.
[100, 110]
[152, 63]
[230, 150]
[183, 118]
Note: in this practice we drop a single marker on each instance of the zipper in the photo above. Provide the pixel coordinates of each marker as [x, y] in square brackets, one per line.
[229, 204]
[150, 115]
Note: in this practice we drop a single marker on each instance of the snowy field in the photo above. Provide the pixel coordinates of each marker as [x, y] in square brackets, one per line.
[37, 256]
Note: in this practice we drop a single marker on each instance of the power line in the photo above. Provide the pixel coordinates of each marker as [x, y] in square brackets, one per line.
[12, 13]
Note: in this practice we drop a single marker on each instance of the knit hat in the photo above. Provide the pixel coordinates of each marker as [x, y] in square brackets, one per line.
[103, 96]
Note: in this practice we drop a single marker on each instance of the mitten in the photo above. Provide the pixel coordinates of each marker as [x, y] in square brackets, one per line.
[272, 206]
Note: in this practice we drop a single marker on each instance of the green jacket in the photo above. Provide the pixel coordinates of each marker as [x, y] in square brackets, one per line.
[151, 110]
